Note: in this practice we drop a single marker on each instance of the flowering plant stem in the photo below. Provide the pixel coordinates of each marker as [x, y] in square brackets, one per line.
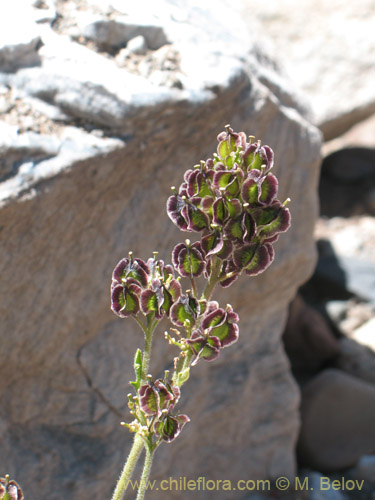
[138, 442]
[231, 200]
[212, 280]
[128, 469]
[146, 472]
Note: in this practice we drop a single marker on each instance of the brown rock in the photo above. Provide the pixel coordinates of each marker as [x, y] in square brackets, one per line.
[308, 339]
[356, 359]
[338, 415]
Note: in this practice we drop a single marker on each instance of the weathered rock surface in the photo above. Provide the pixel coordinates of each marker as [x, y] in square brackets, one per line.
[327, 50]
[66, 220]
[356, 359]
[360, 135]
[338, 414]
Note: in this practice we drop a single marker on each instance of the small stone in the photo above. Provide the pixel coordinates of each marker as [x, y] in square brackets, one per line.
[19, 39]
[122, 56]
[137, 45]
[115, 33]
[157, 77]
[5, 105]
[316, 480]
[365, 468]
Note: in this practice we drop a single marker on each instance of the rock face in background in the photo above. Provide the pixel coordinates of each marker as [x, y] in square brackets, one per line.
[326, 49]
[91, 141]
[329, 443]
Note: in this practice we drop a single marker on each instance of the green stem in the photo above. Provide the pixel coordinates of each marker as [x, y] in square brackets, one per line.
[147, 351]
[138, 442]
[213, 279]
[128, 469]
[146, 473]
[185, 364]
[193, 286]
[144, 328]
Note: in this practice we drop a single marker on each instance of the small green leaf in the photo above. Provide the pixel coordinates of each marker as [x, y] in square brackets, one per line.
[180, 312]
[232, 143]
[150, 402]
[259, 262]
[151, 302]
[274, 219]
[183, 376]
[233, 230]
[244, 255]
[137, 368]
[121, 299]
[170, 428]
[198, 220]
[223, 179]
[219, 211]
[234, 207]
[132, 304]
[269, 189]
[233, 187]
[254, 161]
[250, 191]
[167, 300]
[224, 149]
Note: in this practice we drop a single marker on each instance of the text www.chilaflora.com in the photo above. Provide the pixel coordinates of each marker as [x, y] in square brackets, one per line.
[281, 483]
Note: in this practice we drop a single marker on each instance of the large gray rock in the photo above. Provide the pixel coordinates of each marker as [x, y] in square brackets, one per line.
[65, 359]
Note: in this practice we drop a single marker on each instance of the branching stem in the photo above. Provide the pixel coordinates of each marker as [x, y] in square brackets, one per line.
[138, 442]
[213, 279]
